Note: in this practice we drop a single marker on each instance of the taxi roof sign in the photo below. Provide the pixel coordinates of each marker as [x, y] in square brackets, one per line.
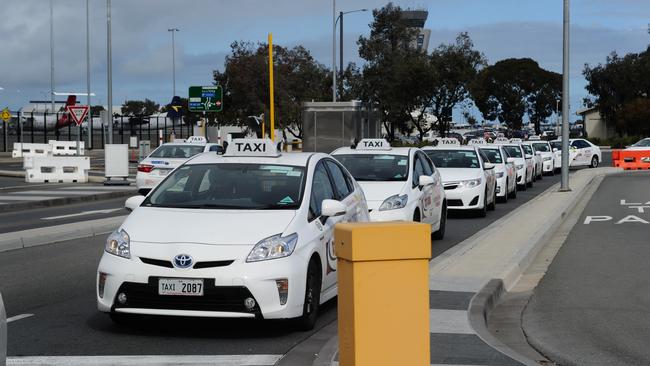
[197, 140]
[516, 140]
[534, 138]
[445, 141]
[252, 147]
[477, 142]
[373, 144]
[501, 140]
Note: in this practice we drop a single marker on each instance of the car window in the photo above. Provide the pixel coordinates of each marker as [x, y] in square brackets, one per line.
[321, 189]
[375, 167]
[341, 187]
[454, 158]
[216, 148]
[493, 155]
[642, 143]
[579, 144]
[556, 145]
[513, 151]
[542, 147]
[484, 157]
[418, 170]
[426, 163]
[527, 149]
[177, 151]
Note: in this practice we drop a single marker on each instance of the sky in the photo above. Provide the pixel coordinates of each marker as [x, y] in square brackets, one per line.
[142, 52]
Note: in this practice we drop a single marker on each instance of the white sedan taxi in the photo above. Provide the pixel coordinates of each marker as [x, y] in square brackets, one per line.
[468, 177]
[545, 151]
[643, 144]
[523, 164]
[247, 234]
[556, 145]
[586, 153]
[538, 162]
[400, 183]
[504, 169]
[155, 167]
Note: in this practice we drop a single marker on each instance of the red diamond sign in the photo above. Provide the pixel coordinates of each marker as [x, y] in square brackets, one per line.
[78, 113]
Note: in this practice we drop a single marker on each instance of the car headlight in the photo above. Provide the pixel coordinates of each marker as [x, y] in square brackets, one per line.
[273, 247]
[500, 174]
[394, 202]
[470, 183]
[519, 166]
[119, 244]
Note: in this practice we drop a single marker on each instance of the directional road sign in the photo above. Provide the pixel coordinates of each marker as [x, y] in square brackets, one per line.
[5, 115]
[78, 113]
[205, 99]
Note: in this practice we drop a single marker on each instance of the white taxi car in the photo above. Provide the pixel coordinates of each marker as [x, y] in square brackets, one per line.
[586, 153]
[400, 183]
[155, 167]
[246, 234]
[557, 154]
[504, 169]
[468, 177]
[523, 164]
[643, 144]
[545, 151]
[538, 163]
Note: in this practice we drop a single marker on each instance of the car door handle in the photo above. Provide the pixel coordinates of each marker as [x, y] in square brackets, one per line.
[322, 238]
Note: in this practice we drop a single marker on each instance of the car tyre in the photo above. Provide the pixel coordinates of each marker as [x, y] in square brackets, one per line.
[482, 212]
[311, 303]
[513, 194]
[594, 162]
[492, 206]
[440, 233]
[505, 197]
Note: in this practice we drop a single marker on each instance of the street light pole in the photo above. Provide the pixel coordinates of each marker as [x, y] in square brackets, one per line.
[52, 55]
[173, 30]
[333, 50]
[89, 117]
[340, 17]
[109, 72]
[564, 185]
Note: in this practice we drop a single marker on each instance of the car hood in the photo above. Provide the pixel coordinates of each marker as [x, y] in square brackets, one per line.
[205, 226]
[458, 174]
[379, 191]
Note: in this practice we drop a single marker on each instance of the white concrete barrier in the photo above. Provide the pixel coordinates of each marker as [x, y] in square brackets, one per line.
[28, 149]
[3, 333]
[66, 148]
[60, 169]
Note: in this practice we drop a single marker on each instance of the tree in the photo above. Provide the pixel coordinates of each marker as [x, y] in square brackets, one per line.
[245, 79]
[139, 108]
[394, 75]
[513, 88]
[619, 87]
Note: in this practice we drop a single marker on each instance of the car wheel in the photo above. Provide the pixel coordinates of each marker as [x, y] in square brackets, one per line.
[440, 234]
[505, 197]
[541, 174]
[513, 194]
[594, 162]
[482, 212]
[492, 206]
[311, 302]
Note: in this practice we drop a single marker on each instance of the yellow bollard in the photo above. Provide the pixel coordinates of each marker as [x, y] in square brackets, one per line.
[383, 293]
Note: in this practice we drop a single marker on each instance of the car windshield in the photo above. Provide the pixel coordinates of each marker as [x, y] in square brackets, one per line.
[454, 158]
[177, 151]
[556, 144]
[643, 143]
[543, 147]
[527, 149]
[230, 186]
[513, 151]
[376, 167]
[494, 155]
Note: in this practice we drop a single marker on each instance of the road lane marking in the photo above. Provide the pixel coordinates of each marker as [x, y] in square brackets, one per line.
[27, 198]
[58, 191]
[449, 322]
[18, 317]
[84, 213]
[221, 360]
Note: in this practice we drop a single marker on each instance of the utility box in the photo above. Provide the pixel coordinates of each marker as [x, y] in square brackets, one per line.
[116, 164]
[330, 125]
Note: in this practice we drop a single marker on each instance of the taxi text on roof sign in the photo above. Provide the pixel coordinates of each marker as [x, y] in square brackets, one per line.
[197, 140]
[252, 147]
[445, 141]
[516, 140]
[477, 142]
[373, 144]
[502, 140]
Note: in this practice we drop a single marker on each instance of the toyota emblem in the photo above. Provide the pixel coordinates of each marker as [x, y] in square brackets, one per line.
[183, 261]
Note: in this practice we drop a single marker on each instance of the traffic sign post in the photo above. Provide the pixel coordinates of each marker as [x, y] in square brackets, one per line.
[78, 113]
[205, 99]
[6, 116]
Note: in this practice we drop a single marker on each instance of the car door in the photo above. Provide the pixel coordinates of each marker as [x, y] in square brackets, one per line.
[427, 196]
[490, 176]
[583, 152]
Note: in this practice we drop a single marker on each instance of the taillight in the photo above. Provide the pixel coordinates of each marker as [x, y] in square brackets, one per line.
[145, 168]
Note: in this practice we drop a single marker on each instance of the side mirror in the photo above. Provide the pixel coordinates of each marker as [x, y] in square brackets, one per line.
[510, 160]
[488, 166]
[425, 180]
[528, 156]
[332, 208]
[133, 202]
[555, 149]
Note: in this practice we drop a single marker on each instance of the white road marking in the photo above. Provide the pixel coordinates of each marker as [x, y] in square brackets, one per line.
[58, 191]
[27, 198]
[100, 188]
[18, 317]
[449, 321]
[221, 360]
[84, 213]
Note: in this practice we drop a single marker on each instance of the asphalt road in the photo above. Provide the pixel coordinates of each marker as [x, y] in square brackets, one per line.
[56, 284]
[591, 308]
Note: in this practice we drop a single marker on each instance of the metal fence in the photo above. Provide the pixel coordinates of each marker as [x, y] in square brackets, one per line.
[40, 128]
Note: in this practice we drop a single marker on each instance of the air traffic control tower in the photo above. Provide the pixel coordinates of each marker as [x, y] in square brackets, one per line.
[416, 19]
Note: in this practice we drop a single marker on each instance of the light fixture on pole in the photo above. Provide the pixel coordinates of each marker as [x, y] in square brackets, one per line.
[340, 17]
[173, 31]
[564, 185]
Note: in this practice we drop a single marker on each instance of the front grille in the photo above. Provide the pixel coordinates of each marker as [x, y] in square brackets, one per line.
[212, 264]
[198, 265]
[215, 298]
[157, 262]
[451, 186]
[454, 203]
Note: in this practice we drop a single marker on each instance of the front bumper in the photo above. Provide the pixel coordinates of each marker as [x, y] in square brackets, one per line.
[502, 186]
[521, 176]
[401, 214]
[226, 288]
[548, 166]
[461, 198]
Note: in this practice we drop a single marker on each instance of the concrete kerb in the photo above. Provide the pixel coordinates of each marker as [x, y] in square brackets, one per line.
[487, 298]
[54, 234]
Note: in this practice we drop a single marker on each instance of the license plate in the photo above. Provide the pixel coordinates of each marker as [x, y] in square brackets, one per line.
[180, 287]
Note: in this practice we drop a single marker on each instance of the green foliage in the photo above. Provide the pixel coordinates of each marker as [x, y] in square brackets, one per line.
[513, 88]
[139, 108]
[621, 88]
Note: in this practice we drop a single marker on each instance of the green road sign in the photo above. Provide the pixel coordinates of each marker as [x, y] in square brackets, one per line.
[205, 99]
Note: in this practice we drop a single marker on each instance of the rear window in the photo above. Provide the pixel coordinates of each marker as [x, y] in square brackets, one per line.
[177, 151]
[376, 167]
[513, 151]
[527, 149]
[493, 155]
[556, 144]
[542, 147]
[454, 158]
